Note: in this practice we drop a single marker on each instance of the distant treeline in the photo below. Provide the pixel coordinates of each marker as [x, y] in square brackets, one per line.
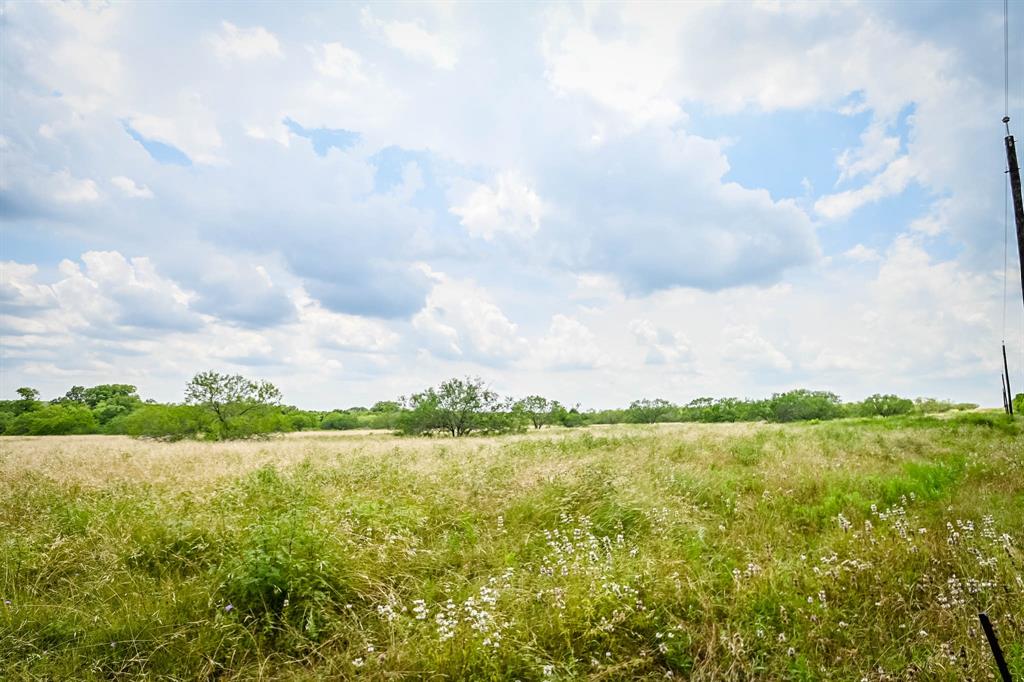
[220, 406]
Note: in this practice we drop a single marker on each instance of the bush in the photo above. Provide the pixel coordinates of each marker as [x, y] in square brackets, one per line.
[802, 404]
[649, 411]
[458, 407]
[340, 421]
[165, 422]
[54, 420]
[1018, 403]
[301, 420]
[885, 406]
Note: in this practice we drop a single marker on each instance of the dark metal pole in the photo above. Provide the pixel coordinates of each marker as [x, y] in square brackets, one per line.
[1006, 376]
[1002, 383]
[1018, 203]
[994, 644]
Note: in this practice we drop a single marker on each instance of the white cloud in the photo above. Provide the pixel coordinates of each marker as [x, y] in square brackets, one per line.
[862, 254]
[460, 320]
[130, 189]
[189, 125]
[511, 206]
[18, 290]
[110, 297]
[747, 348]
[343, 332]
[663, 345]
[569, 344]
[72, 190]
[334, 60]
[876, 151]
[245, 43]
[893, 180]
[630, 76]
[414, 40]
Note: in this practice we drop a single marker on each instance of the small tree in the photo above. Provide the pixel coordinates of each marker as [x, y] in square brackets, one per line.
[886, 405]
[342, 421]
[29, 400]
[649, 411]
[457, 407]
[802, 404]
[118, 394]
[76, 394]
[236, 403]
[538, 409]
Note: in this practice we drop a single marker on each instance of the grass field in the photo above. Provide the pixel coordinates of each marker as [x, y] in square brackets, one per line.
[847, 550]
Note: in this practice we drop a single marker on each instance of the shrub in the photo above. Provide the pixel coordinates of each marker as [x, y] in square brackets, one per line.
[649, 411]
[1018, 403]
[165, 422]
[885, 406]
[54, 420]
[340, 421]
[802, 404]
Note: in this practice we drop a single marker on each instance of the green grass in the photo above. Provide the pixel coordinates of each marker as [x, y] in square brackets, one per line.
[858, 549]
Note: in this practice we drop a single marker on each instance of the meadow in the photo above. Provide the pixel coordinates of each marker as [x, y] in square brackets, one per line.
[857, 549]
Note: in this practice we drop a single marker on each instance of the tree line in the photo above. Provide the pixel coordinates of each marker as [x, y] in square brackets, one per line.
[229, 406]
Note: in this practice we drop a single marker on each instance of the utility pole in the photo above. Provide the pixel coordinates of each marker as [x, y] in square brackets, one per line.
[1018, 203]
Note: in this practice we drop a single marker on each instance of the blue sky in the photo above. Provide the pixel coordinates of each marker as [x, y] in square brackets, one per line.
[597, 202]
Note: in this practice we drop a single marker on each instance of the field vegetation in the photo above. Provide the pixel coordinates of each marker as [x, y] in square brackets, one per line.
[852, 549]
[223, 407]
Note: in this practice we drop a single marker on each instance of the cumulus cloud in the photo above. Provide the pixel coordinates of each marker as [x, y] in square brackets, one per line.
[72, 190]
[893, 180]
[109, 296]
[191, 128]
[569, 345]
[652, 209]
[413, 40]
[663, 346]
[460, 320]
[233, 42]
[130, 189]
[747, 348]
[337, 61]
[510, 206]
[862, 254]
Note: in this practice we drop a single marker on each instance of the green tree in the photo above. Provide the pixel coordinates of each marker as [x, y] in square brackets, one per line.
[341, 421]
[457, 407]
[76, 394]
[28, 394]
[885, 405]
[109, 393]
[28, 400]
[164, 422]
[646, 411]
[239, 406]
[54, 420]
[1018, 404]
[537, 409]
[802, 404]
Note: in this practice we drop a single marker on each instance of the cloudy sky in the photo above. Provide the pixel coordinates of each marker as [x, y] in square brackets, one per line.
[596, 202]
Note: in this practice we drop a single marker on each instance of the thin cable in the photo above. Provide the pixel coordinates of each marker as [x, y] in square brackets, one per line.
[1006, 244]
[1006, 58]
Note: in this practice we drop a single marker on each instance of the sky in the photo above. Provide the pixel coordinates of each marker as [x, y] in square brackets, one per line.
[595, 202]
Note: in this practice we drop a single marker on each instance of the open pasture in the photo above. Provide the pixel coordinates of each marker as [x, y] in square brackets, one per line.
[847, 550]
